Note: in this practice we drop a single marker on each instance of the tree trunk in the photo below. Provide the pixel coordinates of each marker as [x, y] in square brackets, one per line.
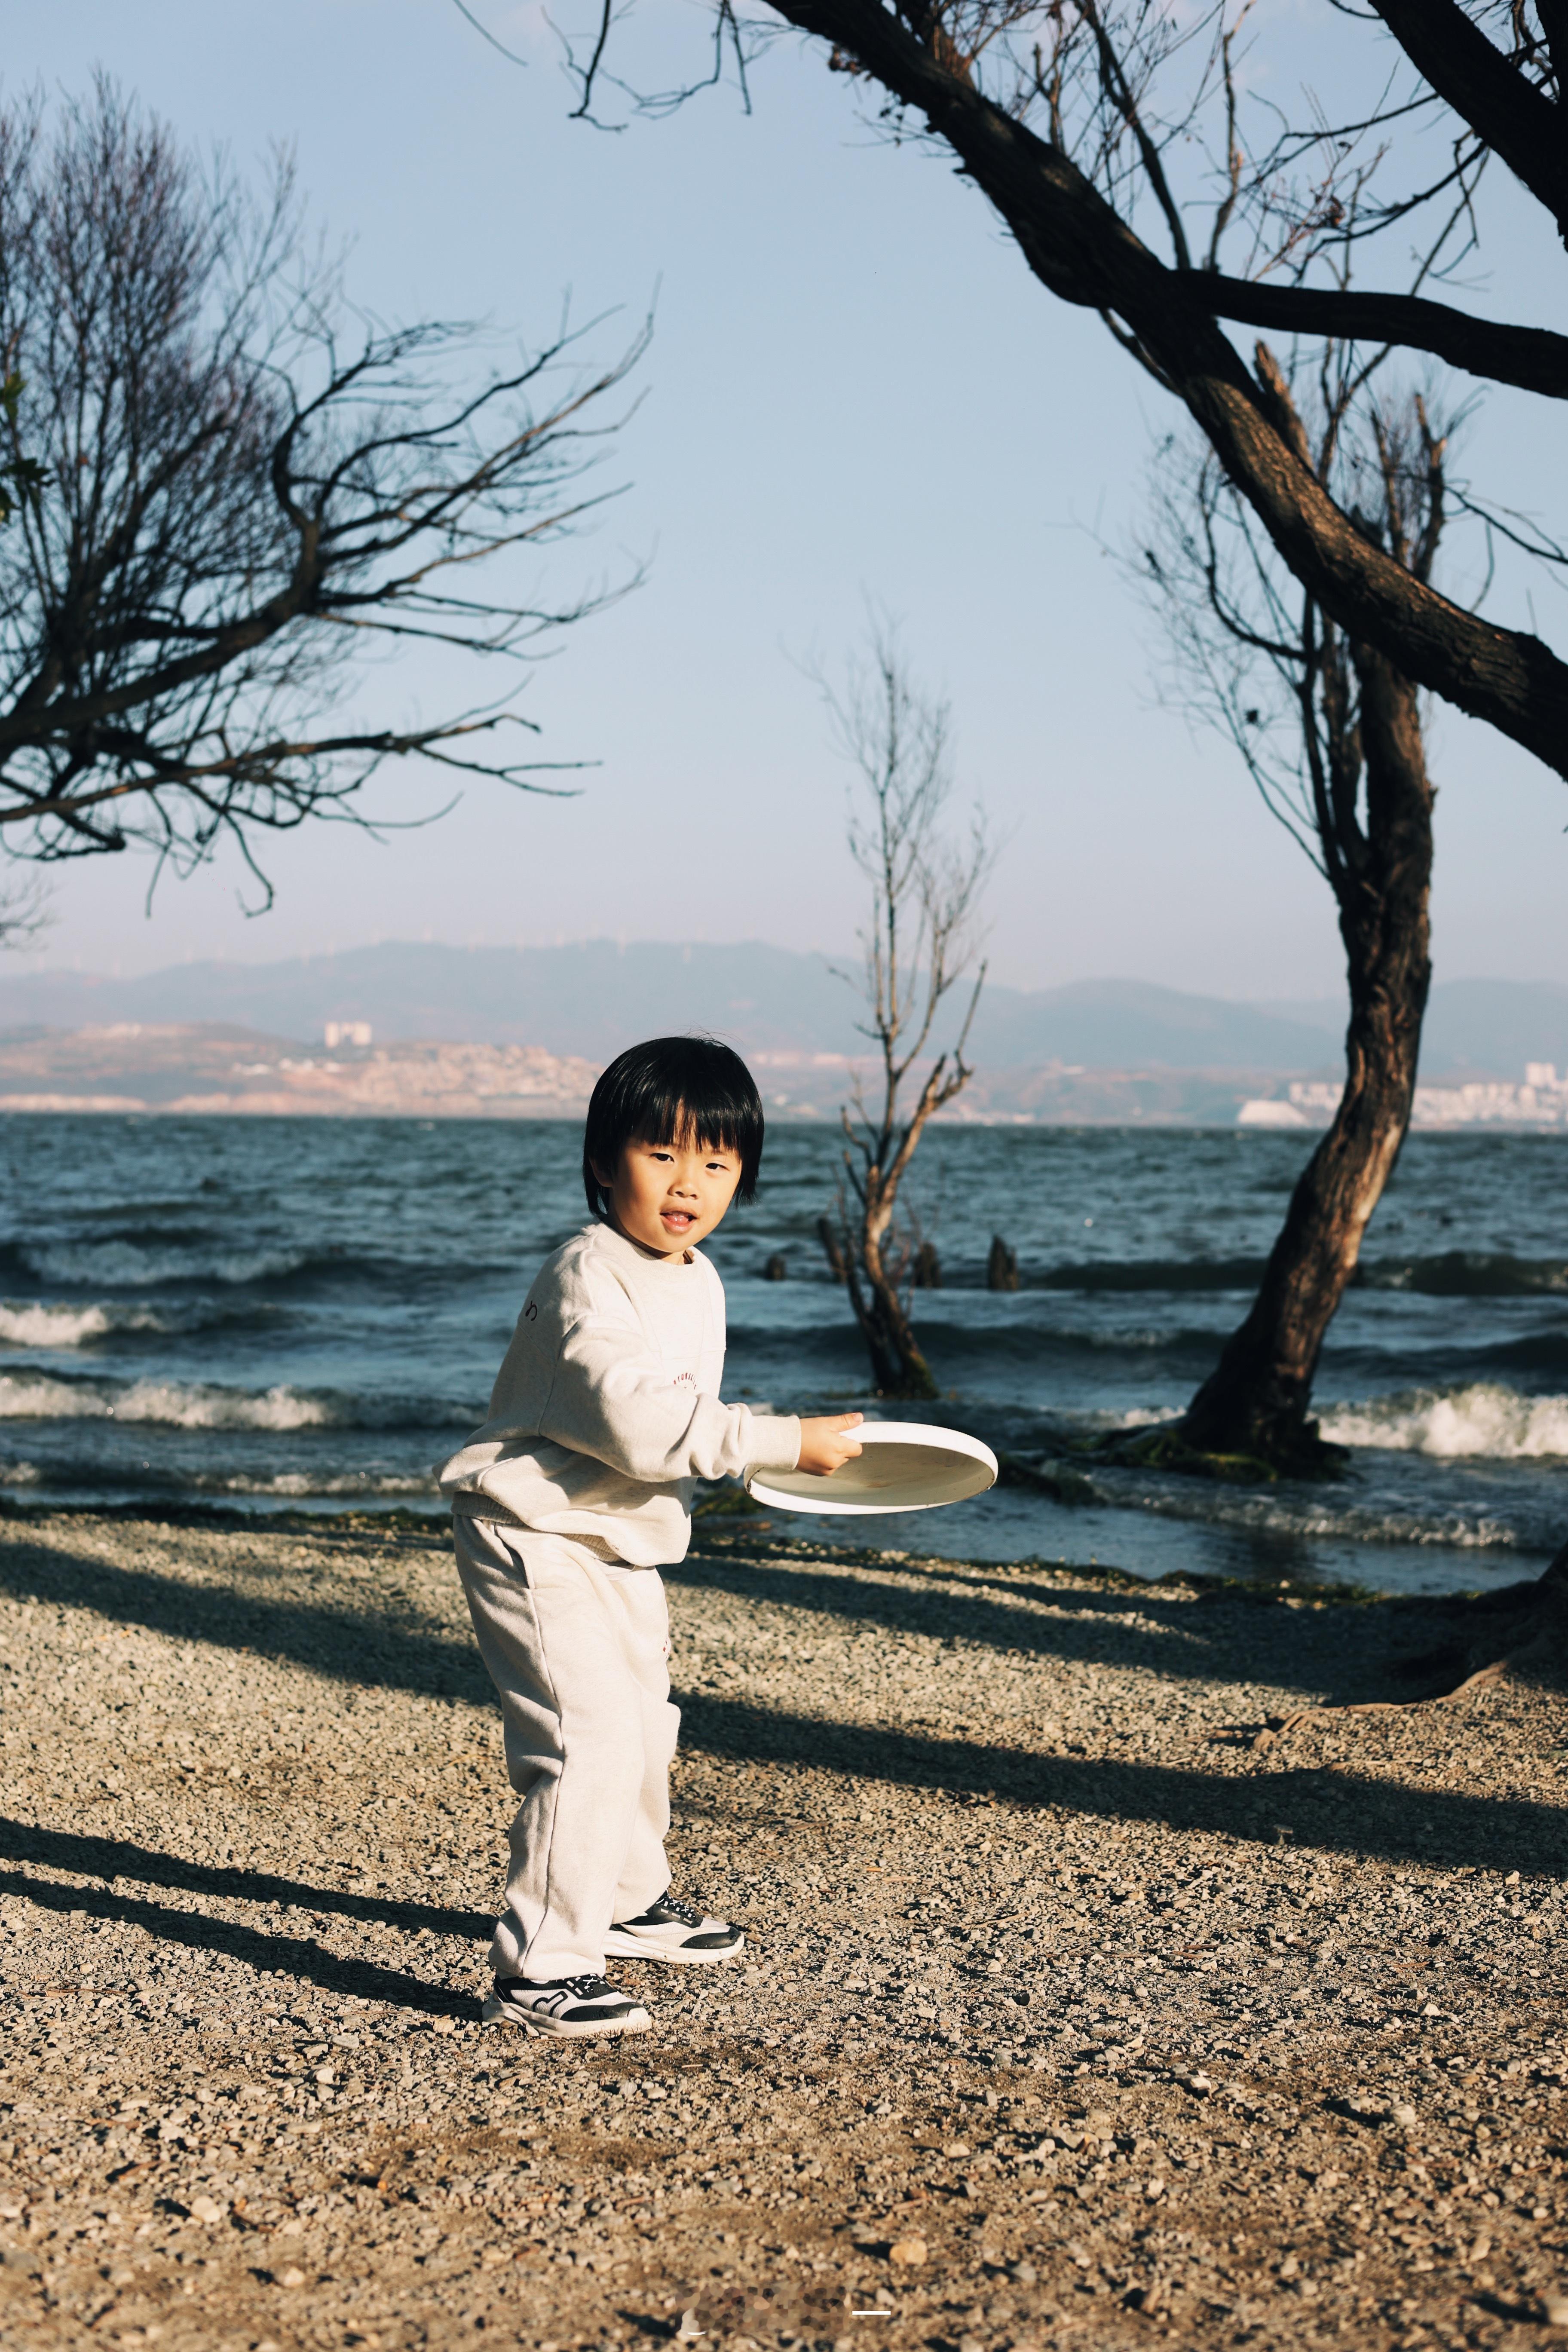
[899, 1367]
[1001, 1265]
[1256, 1401]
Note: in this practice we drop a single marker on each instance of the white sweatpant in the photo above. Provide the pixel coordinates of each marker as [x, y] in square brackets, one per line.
[578, 1649]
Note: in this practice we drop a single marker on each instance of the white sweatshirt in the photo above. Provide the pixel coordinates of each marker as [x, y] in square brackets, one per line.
[607, 1411]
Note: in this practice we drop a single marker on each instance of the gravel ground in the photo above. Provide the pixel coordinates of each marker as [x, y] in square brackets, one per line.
[1070, 2014]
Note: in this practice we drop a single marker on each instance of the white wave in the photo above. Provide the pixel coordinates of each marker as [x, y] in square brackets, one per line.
[289, 1486]
[126, 1265]
[304, 1484]
[180, 1407]
[1099, 1418]
[173, 1404]
[1275, 1514]
[51, 1327]
[38, 1398]
[1484, 1420]
[36, 1325]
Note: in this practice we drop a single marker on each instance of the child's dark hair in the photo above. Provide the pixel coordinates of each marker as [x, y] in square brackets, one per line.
[664, 1091]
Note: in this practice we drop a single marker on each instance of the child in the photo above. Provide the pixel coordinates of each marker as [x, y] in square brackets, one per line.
[568, 1501]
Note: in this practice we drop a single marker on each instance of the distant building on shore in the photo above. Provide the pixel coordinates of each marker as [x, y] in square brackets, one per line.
[1541, 1102]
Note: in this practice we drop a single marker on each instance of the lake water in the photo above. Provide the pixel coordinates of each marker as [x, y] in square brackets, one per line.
[311, 1311]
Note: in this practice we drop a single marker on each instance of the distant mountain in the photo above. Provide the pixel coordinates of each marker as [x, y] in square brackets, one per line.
[1490, 1028]
[1129, 1024]
[590, 999]
[1475, 1028]
[598, 994]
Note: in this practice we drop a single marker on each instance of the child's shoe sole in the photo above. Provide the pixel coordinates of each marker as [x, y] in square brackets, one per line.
[626, 1944]
[501, 2011]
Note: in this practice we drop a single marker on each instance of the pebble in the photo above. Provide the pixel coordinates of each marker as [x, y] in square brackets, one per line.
[260, 1762]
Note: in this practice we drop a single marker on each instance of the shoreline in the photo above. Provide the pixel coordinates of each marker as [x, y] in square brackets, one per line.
[723, 1531]
[1158, 1121]
[1068, 2012]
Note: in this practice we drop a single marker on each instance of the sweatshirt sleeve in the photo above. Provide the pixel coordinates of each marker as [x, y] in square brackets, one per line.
[611, 1399]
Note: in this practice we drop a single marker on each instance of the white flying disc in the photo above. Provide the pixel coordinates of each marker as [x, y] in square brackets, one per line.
[904, 1467]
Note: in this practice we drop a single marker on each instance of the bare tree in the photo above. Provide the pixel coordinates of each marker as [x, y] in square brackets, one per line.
[1331, 734]
[1148, 168]
[227, 485]
[22, 904]
[919, 944]
[18, 474]
[24, 911]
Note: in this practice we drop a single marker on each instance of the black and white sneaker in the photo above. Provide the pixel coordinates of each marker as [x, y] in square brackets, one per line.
[674, 1931]
[572, 2006]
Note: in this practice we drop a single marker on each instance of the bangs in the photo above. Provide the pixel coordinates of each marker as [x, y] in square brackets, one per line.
[670, 1119]
[674, 1090]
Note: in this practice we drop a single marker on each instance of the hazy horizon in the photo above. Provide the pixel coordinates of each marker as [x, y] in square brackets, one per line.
[35, 962]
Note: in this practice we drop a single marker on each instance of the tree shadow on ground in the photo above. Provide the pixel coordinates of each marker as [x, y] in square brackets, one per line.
[1309, 1808]
[292, 1956]
[379, 1648]
[391, 1647]
[92, 1855]
[1147, 1628]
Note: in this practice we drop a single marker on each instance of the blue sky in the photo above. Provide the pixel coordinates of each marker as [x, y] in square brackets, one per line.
[854, 389]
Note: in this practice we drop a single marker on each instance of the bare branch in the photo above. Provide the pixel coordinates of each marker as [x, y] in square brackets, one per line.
[1535, 359]
[918, 944]
[243, 483]
[1102, 131]
[24, 911]
[1515, 119]
[486, 35]
[1251, 656]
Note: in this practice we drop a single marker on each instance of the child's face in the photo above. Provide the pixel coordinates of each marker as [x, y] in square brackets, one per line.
[669, 1196]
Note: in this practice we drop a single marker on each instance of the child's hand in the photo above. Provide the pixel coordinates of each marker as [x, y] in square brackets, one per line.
[826, 1443]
